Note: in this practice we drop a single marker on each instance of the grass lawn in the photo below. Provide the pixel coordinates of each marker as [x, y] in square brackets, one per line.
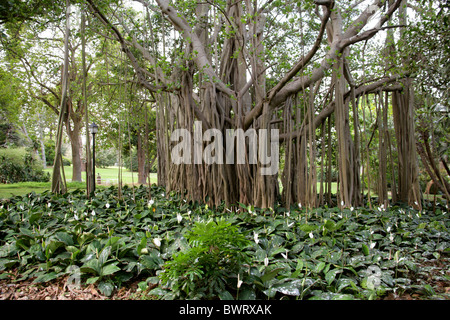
[109, 176]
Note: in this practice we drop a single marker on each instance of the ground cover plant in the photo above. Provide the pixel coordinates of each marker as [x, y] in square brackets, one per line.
[176, 249]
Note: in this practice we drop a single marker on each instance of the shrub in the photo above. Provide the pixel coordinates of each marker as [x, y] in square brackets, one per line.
[105, 158]
[18, 166]
[216, 253]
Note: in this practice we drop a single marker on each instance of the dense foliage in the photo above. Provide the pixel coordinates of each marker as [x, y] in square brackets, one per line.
[16, 165]
[185, 250]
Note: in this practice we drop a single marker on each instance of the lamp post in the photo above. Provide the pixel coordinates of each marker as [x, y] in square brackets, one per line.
[93, 128]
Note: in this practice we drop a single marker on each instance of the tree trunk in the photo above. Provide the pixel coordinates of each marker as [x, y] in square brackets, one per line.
[58, 178]
[75, 143]
[142, 160]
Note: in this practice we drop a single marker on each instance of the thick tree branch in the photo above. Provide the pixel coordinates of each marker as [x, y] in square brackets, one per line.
[139, 71]
[339, 43]
[200, 57]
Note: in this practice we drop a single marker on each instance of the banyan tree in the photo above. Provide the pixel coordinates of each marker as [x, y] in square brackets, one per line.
[289, 82]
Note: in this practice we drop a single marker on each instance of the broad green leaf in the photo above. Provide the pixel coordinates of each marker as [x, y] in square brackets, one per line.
[331, 275]
[45, 277]
[110, 269]
[225, 295]
[270, 275]
[65, 238]
[308, 227]
[106, 288]
[330, 225]
[319, 267]
[92, 280]
[103, 257]
[291, 288]
[343, 297]
[92, 266]
[247, 294]
[365, 249]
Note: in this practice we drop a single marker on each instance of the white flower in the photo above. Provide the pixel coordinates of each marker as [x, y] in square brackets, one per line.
[311, 235]
[255, 237]
[49, 205]
[179, 217]
[93, 213]
[299, 205]
[107, 205]
[342, 203]
[189, 212]
[76, 217]
[157, 242]
[351, 208]
[151, 202]
[415, 202]
[266, 261]
[372, 245]
[388, 229]
[288, 214]
[239, 282]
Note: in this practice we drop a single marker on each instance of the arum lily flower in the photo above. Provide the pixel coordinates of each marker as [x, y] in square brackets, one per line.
[157, 242]
[266, 261]
[255, 237]
[239, 282]
[179, 217]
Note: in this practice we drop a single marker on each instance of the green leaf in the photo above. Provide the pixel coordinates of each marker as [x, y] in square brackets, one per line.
[247, 294]
[92, 266]
[104, 255]
[331, 275]
[106, 288]
[225, 295]
[365, 249]
[45, 277]
[270, 275]
[291, 288]
[92, 280]
[65, 238]
[110, 269]
[329, 225]
[319, 267]
[308, 227]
